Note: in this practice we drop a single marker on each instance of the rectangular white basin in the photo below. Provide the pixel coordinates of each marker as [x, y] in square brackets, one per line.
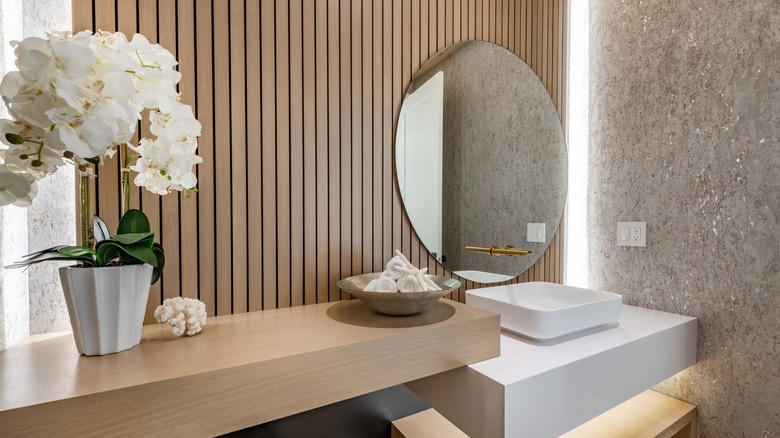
[543, 311]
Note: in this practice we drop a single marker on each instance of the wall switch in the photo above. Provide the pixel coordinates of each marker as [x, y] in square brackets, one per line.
[631, 234]
[535, 233]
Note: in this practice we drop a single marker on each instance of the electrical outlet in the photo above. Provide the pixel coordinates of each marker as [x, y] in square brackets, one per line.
[535, 233]
[631, 234]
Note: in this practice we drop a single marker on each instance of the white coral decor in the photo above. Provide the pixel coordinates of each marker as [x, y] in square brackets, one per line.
[75, 98]
[185, 315]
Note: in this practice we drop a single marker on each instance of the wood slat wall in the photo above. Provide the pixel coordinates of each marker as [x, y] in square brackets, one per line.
[298, 100]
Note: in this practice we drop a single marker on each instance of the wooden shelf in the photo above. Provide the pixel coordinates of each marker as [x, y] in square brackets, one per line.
[425, 424]
[242, 370]
[648, 415]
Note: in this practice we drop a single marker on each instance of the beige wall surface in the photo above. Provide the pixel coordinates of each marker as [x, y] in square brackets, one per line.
[684, 107]
[298, 100]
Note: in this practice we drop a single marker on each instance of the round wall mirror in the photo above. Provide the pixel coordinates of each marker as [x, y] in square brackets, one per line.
[481, 160]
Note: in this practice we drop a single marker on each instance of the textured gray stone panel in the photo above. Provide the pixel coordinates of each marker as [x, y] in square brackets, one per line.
[684, 110]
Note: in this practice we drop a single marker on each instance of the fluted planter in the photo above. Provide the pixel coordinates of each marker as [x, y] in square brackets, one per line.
[106, 306]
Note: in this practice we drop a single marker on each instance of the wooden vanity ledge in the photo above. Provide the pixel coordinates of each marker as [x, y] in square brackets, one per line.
[242, 370]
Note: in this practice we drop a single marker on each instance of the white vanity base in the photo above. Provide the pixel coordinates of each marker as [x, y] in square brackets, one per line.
[543, 389]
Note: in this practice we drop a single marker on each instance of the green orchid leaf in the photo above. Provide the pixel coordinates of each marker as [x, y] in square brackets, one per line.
[93, 160]
[52, 249]
[51, 256]
[100, 229]
[76, 251]
[132, 238]
[160, 254]
[127, 259]
[132, 222]
[129, 254]
[107, 252]
[61, 252]
[141, 253]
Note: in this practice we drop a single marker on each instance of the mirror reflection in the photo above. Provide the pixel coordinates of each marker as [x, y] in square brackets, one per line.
[481, 160]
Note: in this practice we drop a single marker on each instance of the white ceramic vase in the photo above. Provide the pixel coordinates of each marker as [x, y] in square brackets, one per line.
[106, 306]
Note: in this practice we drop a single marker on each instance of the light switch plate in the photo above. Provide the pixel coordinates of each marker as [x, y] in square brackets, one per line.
[631, 234]
[535, 233]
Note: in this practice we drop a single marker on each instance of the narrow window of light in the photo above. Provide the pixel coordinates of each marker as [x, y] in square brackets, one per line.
[576, 263]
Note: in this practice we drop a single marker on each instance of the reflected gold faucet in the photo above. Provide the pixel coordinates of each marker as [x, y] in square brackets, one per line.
[496, 251]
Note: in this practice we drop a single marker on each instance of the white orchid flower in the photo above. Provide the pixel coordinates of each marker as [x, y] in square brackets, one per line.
[183, 182]
[15, 188]
[21, 129]
[34, 57]
[150, 177]
[181, 160]
[152, 54]
[76, 97]
[26, 102]
[75, 58]
[91, 137]
[21, 157]
[31, 43]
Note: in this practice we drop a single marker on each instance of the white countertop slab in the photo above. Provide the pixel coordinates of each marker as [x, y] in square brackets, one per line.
[547, 388]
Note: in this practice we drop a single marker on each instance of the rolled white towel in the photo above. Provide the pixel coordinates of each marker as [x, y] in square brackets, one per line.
[395, 268]
[381, 284]
[427, 283]
[409, 283]
[406, 261]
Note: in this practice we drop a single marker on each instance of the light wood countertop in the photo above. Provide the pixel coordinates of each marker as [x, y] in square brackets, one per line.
[242, 370]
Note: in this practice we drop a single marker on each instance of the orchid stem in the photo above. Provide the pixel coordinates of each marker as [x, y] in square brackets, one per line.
[85, 211]
[126, 193]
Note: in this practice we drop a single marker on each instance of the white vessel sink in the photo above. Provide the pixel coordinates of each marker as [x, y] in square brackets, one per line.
[544, 311]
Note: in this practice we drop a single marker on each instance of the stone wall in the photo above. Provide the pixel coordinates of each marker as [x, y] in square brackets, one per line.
[684, 111]
[31, 301]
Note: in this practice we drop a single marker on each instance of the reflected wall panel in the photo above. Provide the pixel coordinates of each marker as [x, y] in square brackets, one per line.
[298, 100]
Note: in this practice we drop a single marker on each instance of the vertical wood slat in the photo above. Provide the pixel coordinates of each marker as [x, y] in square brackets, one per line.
[147, 25]
[368, 137]
[254, 154]
[414, 40]
[310, 174]
[170, 224]
[345, 164]
[188, 205]
[388, 169]
[127, 20]
[299, 100]
[296, 155]
[397, 93]
[321, 98]
[378, 153]
[204, 111]
[268, 158]
[222, 146]
[403, 79]
[334, 151]
[283, 286]
[238, 157]
[356, 159]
